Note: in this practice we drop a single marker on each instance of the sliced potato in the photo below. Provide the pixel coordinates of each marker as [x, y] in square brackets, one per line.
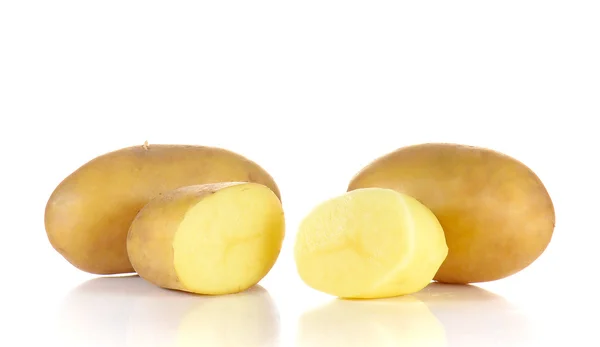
[369, 243]
[208, 239]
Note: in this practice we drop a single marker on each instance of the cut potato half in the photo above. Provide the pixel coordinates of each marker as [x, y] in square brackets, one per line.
[208, 239]
[370, 243]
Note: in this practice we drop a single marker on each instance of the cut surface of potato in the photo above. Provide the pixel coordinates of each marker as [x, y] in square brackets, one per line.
[369, 243]
[496, 213]
[208, 239]
[88, 215]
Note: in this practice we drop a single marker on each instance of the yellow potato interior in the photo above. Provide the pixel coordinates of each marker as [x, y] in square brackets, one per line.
[229, 241]
[370, 243]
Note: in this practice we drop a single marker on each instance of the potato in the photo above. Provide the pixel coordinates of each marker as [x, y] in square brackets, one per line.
[496, 213]
[369, 243]
[88, 215]
[213, 239]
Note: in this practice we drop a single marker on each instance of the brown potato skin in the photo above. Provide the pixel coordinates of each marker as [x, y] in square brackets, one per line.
[89, 214]
[150, 249]
[497, 215]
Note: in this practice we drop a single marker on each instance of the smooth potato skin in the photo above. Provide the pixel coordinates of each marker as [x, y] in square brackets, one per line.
[150, 248]
[496, 213]
[89, 214]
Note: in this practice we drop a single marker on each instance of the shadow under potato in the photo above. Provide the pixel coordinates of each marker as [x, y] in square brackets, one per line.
[128, 311]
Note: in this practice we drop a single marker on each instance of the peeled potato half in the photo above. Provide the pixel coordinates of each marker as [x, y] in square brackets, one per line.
[369, 243]
[210, 239]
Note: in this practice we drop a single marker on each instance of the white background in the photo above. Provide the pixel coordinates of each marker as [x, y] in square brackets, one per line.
[313, 91]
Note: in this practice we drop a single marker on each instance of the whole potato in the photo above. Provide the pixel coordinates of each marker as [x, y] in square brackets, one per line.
[89, 214]
[496, 213]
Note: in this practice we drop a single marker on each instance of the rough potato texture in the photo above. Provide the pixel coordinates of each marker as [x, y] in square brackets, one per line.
[88, 215]
[496, 213]
[219, 238]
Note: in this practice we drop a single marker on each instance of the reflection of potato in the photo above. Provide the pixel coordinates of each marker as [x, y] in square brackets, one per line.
[369, 243]
[89, 213]
[496, 213]
[475, 317]
[130, 312]
[217, 238]
[402, 321]
[178, 319]
[96, 313]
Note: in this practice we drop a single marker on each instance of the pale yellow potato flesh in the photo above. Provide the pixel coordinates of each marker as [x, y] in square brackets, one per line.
[369, 243]
[208, 239]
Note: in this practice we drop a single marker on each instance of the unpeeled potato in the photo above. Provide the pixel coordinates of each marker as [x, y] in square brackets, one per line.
[88, 215]
[212, 239]
[497, 215]
[369, 243]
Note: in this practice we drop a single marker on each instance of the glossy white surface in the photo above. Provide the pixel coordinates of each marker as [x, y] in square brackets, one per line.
[313, 91]
[127, 311]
